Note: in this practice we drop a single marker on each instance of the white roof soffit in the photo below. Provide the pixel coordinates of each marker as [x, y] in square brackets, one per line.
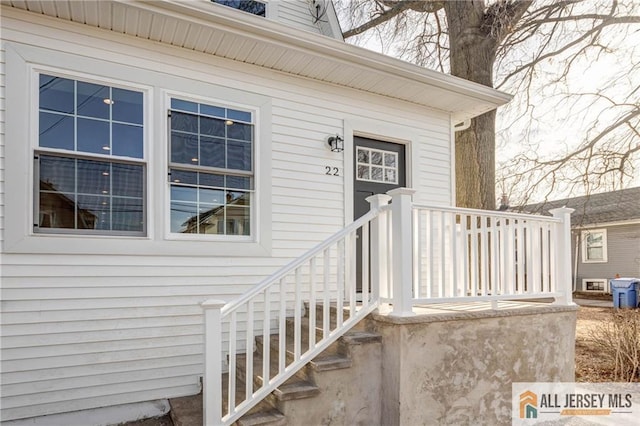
[204, 26]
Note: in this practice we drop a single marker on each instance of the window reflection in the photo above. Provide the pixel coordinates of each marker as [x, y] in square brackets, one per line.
[200, 210]
[88, 117]
[86, 194]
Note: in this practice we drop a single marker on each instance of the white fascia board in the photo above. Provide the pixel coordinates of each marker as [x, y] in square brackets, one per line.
[608, 224]
[244, 24]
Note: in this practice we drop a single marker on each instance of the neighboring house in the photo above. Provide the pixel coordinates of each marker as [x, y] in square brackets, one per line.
[605, 236]
[181, 150]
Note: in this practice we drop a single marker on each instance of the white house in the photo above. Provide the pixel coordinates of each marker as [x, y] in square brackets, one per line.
[158, 154]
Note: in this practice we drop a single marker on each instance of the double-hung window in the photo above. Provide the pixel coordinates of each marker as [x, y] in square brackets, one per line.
[594, 246]
[89, 162]
[211, 172]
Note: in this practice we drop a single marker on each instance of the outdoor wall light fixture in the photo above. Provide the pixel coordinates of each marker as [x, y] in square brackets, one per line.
[336, 143]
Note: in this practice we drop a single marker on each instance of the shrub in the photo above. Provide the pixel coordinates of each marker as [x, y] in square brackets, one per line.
[619, 342]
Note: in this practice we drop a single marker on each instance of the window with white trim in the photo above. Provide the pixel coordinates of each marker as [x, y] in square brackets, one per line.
[595, 284]
[89, 162]
[254, 7]
[594, 246]
[211, 175]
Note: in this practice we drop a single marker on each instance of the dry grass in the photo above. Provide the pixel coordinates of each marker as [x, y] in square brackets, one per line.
[596, 351]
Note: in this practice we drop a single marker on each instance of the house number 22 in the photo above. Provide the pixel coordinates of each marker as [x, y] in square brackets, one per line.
[331, 171]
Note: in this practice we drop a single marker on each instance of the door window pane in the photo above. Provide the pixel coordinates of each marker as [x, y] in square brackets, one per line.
[376, 165]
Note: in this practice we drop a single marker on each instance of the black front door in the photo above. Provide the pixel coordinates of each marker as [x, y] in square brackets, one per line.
[379, 167]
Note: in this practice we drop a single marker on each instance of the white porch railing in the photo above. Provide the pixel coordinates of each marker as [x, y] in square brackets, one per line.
[411, 254]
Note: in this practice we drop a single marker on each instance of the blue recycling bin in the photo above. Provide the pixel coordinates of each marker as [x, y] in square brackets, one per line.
[625, 292]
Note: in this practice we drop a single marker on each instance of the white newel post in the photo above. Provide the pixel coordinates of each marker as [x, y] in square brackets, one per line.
[212, 386]
[379, 251]
[563, 253]
[402, 243]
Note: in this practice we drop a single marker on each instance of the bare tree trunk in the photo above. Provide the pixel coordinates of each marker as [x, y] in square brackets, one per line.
[475, 164]
[472, 56]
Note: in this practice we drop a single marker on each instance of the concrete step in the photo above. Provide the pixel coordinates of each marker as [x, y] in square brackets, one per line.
[331, 358]
[187, 411]
[296, 387]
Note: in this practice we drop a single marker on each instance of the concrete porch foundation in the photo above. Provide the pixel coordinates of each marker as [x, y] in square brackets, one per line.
[454, 363]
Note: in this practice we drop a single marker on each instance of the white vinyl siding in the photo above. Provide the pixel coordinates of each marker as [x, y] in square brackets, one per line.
[89, 330]
[296, 14]
[2, 126]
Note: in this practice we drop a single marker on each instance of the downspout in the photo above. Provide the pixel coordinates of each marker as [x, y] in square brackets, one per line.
[575, 266]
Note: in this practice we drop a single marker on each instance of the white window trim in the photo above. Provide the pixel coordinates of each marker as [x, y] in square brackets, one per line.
[34, 73]
[20, 136]
[583, 236]
[604, 281]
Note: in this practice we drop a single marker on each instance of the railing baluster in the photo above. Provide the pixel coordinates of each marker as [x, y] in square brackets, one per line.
[417, 252]
[528, 250]
[453, 236]
[534, 234]
[341, 276]
[464, 246]
[325, 306]
[249, 352]
[232, 361]
[312, 303]
[351, 282]
[484, 255]
[430, 265]
[545, 258]
[442, 254]
[474, 255]
[297, 318]
[520, 253]
[389, 267]
[509, 256]
[266, 338]
[493, 253]
[282, 328]
[365, 265]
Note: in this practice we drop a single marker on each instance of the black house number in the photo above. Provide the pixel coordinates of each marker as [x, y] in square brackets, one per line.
[331, 171]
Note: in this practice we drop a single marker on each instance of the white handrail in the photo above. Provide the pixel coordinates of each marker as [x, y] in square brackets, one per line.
[478, 212]
[260, 287]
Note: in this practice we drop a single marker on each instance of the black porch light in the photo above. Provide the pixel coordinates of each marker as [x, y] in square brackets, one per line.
[336, 143]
